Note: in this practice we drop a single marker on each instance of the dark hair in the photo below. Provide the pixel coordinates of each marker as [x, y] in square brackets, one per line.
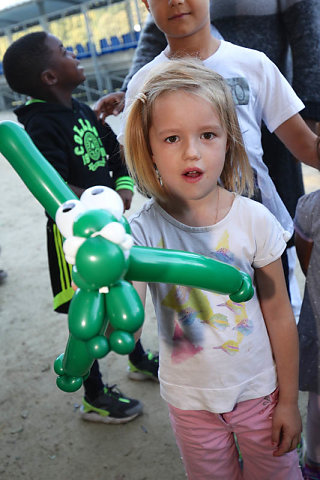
[24, 61]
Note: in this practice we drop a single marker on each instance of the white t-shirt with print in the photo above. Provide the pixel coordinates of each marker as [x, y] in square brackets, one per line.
[214, 352]
[261, 93]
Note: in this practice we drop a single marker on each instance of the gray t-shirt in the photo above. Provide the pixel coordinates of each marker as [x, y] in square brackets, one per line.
[307, 224]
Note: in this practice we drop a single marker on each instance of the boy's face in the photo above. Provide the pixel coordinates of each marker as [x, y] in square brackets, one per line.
[63, 64]
[179, 18]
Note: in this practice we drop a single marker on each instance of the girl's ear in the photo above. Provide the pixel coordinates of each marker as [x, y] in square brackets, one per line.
[48, 77]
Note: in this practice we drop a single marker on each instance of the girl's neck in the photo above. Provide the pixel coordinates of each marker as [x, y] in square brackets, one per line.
[197, 213]
[201, 45]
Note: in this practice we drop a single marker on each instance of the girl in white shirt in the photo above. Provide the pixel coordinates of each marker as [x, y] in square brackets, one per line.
[226, 368]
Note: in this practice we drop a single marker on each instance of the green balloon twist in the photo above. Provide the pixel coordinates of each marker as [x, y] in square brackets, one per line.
[40, 177]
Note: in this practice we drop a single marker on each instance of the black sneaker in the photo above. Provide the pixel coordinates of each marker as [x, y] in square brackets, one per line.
[145, 369]
[111, 406]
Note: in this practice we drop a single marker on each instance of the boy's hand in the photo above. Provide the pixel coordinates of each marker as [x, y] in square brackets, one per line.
[126, 196]
[111, 104]
[286, 428]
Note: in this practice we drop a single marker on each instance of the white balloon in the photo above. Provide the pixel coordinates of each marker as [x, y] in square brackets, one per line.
[70, 248]
[113, 231]
[127, 244]
[103, 197]
[66, 215]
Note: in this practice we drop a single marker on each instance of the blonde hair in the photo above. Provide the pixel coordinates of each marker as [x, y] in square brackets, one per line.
[190, 76]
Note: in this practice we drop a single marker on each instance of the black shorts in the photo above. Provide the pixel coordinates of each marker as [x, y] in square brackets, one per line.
[59, 269]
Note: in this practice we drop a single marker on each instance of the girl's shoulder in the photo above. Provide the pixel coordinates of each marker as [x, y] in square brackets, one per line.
[249, 206]
[253, 213]
[143, 213]
[148, 224]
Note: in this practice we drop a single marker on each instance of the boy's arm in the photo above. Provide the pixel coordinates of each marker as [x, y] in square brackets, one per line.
[301, 23]
[304, 249]
[281, 326]
[300, 140]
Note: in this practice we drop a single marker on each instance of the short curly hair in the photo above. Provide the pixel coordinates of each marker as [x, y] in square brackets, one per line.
[24, 61]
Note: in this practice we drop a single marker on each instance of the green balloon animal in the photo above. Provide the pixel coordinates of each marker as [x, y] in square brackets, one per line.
[99, 246]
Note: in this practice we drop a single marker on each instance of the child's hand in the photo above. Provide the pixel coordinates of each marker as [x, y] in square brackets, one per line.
[126, 196]
[286, 428]
[111, 104]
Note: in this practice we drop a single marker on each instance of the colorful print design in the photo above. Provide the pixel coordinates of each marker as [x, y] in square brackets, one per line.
[194, 315]
[89, 145]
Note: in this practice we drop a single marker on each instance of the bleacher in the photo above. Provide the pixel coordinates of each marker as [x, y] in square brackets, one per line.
[106, 62]
[114, 44]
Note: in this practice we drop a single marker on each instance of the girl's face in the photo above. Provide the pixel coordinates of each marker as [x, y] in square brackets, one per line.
[188, 145]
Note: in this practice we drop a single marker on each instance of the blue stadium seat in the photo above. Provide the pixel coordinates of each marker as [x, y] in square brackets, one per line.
[130, 39]
[82, 52]
[115, 43]
[104, 46]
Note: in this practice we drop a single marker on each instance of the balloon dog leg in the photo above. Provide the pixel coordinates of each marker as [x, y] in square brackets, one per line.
[189, 269]
[90, 314]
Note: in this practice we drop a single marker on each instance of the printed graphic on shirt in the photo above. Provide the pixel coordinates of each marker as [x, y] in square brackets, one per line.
[222, 251]
[194, 314]
[183, 347]
[89, 146]
[161, 243]
[240, 90]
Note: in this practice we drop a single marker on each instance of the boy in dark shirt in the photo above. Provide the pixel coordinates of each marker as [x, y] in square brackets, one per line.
[85, 153]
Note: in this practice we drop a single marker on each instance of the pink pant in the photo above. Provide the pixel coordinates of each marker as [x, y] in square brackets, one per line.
[208, 449]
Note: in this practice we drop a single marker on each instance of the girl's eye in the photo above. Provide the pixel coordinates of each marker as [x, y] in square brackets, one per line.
[172, 139]
[208, 135]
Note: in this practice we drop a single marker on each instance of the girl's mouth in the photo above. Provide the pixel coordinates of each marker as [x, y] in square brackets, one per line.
[192, 175]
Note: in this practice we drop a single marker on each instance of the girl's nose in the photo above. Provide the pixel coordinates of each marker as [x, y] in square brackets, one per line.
[192, 151]
[173, 3]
